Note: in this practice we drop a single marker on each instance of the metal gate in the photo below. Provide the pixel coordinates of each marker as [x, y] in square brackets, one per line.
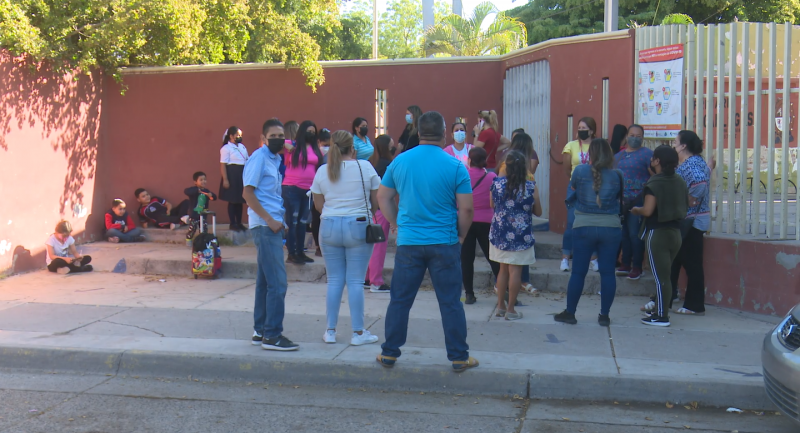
[741, 99]
[526, 104]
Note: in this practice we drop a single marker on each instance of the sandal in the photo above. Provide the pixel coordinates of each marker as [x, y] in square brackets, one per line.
[529, 288]
[689, 312]
[459, 366]
[386, 361]
[513, 316]
[650, 306]
[500, 313]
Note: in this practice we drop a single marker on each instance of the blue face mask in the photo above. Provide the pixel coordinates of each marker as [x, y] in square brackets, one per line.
[460, 136]
[409, 118]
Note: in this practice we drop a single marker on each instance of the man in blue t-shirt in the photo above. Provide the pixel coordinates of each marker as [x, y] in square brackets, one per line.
[434, 214]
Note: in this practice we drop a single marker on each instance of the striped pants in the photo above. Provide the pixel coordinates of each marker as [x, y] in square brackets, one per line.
[662, 246]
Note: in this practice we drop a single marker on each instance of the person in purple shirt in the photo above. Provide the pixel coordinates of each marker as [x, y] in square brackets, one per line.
[634, 163]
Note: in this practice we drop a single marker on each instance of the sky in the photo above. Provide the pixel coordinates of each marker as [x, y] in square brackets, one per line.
[467, 5]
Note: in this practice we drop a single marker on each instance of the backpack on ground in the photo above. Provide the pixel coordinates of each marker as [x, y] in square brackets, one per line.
[206, 255]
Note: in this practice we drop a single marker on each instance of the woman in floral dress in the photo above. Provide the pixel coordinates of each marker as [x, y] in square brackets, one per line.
[514, 199]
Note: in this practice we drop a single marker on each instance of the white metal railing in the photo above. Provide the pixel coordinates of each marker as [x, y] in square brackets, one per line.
[761, 202]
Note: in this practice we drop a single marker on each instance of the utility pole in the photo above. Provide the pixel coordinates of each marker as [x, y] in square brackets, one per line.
[375, 29]
[611, 16]
[427, 14]
[457, 7]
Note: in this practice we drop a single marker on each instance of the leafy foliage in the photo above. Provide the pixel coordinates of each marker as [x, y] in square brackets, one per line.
[677, 19]
[547, 19]
[401, 33]
[111, 34]
[458, 36]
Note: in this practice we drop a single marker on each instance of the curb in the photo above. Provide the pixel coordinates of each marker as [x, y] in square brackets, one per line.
[417, 378]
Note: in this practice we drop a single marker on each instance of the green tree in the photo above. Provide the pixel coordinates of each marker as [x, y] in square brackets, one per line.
[400, 28]
[677, 19]
[111, 34]
[458, 36]
[547, 19]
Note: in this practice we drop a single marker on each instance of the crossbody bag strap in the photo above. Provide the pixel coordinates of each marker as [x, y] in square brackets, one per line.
[479, 180]
[621, 193]
[364, 189]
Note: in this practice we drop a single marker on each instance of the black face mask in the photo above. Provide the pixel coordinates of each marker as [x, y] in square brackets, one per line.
[310, 137]
[583, 135]
[363, 131]
[275, 145]
[238, 140]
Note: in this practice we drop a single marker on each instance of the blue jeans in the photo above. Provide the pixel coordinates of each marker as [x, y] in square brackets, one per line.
[632, 246]
[346, 253]
[124, 237]
[444, 264]
[604, 240]
[270, 282]
[295, 201]
[566, 240]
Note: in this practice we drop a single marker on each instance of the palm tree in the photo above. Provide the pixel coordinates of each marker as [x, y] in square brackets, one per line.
[458, 36]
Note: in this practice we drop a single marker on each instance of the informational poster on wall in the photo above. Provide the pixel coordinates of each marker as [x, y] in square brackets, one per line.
[661, 91]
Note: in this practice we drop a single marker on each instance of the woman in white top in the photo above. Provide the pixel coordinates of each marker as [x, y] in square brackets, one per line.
[346, 193]
[232, 157]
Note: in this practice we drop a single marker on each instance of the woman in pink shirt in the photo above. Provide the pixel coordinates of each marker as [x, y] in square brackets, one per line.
[481, 181]
[301, 166]
[460, 148]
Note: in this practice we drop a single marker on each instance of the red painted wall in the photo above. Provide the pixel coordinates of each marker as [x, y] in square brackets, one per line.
[577, 71]
[167, 126]
[762, 277]
[48, 155]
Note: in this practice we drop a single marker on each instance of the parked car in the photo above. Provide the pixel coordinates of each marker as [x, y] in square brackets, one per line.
[780, 358]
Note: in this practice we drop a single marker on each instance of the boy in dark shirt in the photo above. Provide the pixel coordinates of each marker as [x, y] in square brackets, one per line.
[159, 212]
[199, 196]
[120, 226]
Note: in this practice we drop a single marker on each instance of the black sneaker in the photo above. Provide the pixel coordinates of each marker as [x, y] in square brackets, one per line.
[470, 299]
[279, 343]
[139, 238]
[257, 338]
[87, 268]
[565, 317]
[656, 320]
[305, 258]
[603, 320]
[366, 284]
[242, 227]
[295, 260]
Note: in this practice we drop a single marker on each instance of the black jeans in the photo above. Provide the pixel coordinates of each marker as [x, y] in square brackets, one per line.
[690, 257]
[75, 266]
[478, 233]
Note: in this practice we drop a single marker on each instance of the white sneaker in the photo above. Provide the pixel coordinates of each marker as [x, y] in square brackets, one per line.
[594, 266]
[364, 338]
[329, 336]
[565, 265]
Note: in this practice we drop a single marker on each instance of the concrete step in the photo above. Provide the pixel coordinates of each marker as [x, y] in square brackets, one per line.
[240, 262]
[548, 244]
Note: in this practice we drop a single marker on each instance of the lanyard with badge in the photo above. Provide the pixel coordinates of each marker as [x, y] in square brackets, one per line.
[583, 155]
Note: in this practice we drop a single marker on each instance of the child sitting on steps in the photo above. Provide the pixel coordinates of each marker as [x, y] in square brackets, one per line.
[120, 226]
[199, 196]
[61, 251]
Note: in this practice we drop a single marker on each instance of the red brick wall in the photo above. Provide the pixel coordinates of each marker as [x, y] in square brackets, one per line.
[48, 147]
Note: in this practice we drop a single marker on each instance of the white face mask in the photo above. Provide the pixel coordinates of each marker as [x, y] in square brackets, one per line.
[460, 136]
[324, 150]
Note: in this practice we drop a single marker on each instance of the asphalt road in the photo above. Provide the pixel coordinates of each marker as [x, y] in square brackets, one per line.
[50, 402]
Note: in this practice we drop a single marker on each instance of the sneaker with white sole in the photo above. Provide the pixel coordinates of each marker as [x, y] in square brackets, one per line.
[594, 266]
[656, 320]
[364, 338]
[565, 265]
[329, 336]
[383, 288]
[279, 343]
[257, 338]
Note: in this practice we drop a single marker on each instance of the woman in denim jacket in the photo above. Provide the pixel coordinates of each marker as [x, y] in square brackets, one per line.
[595, 191]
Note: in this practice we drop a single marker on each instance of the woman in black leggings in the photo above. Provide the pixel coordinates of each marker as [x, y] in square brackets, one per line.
[481, 181]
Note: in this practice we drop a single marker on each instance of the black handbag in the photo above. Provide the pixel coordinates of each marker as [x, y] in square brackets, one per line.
[375, 232]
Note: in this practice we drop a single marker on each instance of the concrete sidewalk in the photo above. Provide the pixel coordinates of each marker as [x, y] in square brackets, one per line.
[138, 325]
